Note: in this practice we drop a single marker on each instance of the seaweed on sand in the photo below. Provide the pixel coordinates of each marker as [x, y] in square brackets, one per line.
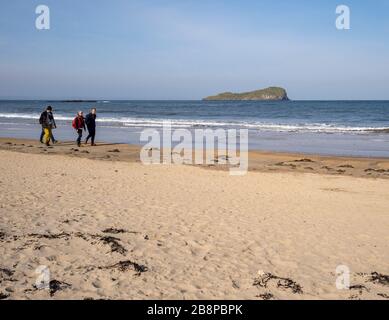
[123, 266]
[56, 285]
[284, 283]
[114, 231]
[382, 279]
[51, 236]
[3, 296]
[114, 244]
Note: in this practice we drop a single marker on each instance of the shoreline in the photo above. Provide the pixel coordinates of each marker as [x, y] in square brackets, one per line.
[349, 129]
[259, 161]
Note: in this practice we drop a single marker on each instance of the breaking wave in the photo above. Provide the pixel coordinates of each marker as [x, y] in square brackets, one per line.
[197, 123]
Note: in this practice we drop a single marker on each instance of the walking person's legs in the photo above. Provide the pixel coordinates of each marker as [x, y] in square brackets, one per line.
[79, 131]
[47, 136]
[52, 137]
[88, 137]
[42, 135]
[93, 134]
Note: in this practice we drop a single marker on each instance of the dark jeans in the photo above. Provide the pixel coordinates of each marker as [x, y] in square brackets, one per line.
[79, 132]
[43, 133]
[91, 135]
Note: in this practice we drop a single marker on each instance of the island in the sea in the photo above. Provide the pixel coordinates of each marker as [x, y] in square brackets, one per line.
[268, 94]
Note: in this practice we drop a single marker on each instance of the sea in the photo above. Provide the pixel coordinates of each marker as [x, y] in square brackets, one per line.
[347, 128]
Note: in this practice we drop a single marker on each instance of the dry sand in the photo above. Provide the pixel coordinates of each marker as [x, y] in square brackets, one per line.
[120, 230]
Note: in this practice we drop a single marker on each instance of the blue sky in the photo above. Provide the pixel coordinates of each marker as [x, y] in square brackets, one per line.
[182, 49]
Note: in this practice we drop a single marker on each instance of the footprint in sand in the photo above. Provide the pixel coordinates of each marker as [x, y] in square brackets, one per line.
[304, 160]
[376, 170]
[283, 164]
[266, 296]
[6, 275]
[346, 166]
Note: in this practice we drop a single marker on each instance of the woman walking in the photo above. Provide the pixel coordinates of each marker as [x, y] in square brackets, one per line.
[79, 125]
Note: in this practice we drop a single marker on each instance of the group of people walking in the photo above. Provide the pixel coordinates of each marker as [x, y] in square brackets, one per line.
[79, 124]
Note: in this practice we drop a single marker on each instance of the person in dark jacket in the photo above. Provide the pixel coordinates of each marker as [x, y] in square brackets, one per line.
[79, 125]
[90, 121]
[47, 122]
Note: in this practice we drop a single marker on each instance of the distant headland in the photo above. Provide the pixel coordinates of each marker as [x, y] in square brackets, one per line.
[268, 94]
[73, 101]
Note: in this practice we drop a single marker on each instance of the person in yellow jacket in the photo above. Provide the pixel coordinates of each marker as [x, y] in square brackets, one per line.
[48, 123]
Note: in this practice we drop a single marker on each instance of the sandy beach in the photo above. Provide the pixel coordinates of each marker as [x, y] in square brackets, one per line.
[106, 226]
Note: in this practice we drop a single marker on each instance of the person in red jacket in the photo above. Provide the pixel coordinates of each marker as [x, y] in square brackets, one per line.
[79, 125]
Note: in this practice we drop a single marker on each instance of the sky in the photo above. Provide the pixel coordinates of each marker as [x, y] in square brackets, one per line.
[184, 49]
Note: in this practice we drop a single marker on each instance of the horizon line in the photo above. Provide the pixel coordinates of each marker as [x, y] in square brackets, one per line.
[198, 100]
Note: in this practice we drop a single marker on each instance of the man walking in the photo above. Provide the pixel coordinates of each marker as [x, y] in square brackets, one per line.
[90, 121]
[48, 123]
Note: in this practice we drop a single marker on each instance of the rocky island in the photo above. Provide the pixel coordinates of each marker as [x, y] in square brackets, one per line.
[268, 94]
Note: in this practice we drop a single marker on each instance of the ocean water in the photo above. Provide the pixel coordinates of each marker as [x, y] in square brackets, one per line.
[353, 128]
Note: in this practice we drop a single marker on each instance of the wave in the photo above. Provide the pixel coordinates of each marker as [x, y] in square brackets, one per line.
[31, 116]
[184, 123]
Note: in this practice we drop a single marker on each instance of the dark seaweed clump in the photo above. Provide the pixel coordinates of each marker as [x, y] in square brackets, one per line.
[3, 296]
[114, 231]
[283, 283]
[379, 278]
[124, 266]
[56, 285]
[114, 244]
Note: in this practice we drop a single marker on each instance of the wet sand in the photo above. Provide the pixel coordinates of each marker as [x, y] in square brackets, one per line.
[258, 160]
[107, 227]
